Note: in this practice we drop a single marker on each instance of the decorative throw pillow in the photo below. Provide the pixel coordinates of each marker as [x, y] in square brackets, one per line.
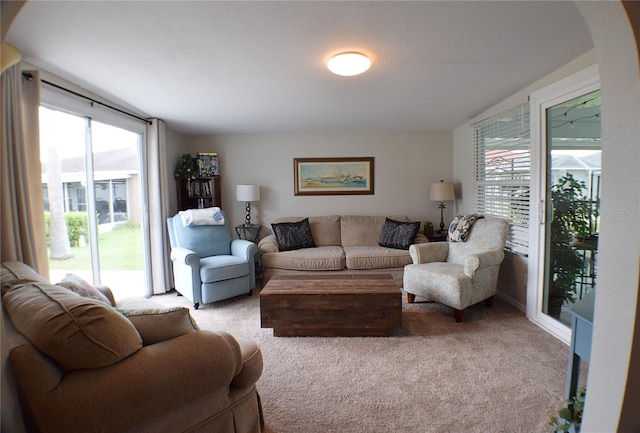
[293, 236]
[396, 234]
[76, 332]
[160, 324]
[82, 288]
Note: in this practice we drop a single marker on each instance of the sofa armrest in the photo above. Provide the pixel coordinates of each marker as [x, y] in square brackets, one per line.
[482, 260]
[420, 239]
[153, 381]
[429, 252]
[269, 244]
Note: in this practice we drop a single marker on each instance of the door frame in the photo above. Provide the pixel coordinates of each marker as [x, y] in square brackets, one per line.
[60, 100]
[580, 83]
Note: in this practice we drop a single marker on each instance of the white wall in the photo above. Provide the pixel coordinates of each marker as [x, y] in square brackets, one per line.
[176, 146]
[405, 166]
[613, 369]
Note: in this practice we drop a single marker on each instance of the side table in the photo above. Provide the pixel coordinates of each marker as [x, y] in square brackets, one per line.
[581, 333]
[438, 237]
[248, 232]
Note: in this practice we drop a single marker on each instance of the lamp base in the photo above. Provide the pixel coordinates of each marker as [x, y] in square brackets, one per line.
[247, 214]
[441, 216]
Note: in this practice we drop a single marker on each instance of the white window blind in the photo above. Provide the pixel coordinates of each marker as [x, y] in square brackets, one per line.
[502, 156]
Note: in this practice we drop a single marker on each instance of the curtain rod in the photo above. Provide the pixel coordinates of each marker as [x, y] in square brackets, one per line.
[29, 76]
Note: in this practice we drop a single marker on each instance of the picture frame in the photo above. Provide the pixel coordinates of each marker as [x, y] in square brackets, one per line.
[333, 176]
[208, 164]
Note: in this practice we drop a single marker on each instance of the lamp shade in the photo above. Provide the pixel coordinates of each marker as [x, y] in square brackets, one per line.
[442, 191]
[247, 193]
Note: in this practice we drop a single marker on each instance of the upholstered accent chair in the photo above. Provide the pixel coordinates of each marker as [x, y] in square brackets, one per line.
[75, 361]
[458, 274]
[208, 265]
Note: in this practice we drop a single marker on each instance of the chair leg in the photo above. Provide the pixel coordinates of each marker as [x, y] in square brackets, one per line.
[457, 314]
[411, 298]
[196, 305]
[489, 302]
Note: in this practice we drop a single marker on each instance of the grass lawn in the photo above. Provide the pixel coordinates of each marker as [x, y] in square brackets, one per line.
[119, 249]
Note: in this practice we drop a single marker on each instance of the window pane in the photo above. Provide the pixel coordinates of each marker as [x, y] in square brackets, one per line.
[503, 171]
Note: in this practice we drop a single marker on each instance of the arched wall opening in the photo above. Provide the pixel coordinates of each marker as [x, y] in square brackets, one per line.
[612, 399]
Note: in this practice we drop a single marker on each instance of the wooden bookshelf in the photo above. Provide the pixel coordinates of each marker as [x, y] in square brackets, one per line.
[198, 193]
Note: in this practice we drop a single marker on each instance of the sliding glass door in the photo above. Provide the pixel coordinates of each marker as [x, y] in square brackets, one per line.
[94, 203]
[563, 260]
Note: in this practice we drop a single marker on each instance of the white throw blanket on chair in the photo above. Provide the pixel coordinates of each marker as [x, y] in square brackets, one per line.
[202, 217]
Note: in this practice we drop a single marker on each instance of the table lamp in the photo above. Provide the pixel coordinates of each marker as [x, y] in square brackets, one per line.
[247, 193]
[442, 191]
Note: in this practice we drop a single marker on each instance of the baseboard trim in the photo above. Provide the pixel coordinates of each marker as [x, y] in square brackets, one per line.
[513, 302]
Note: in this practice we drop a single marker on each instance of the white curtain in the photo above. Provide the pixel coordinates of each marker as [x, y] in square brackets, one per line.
[22, 209]
[21, 205]
[158, 193]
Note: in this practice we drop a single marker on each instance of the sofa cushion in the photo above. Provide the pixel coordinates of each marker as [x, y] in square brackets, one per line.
[159, 324]
[325, 230]
[376, 257]
[74, 331]
[83, 288]
[329, 258]
[396, 234]
[293, 235]
[359, 230]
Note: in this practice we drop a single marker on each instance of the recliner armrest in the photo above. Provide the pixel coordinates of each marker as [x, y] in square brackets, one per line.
[183, 255]
[482, 260]
[244, 249]
[429, 252]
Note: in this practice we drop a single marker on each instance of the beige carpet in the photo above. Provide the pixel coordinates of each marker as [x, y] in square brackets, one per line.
[495, 372]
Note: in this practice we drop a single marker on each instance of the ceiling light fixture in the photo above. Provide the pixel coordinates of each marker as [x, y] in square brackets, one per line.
[349, 64]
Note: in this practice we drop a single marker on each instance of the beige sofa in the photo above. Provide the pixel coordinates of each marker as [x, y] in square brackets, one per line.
[80, 365]
[347, 244]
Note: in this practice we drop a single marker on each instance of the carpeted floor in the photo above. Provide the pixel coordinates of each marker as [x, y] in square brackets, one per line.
[495, 372]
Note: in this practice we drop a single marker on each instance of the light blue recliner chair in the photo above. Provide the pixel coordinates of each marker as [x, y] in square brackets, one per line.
[208, 265]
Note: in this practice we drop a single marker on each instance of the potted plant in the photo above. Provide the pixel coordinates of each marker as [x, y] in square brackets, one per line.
[428, 229]
[187, 167]
[572, 213]
[569, 418]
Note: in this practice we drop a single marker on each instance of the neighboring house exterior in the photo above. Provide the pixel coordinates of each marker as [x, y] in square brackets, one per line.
[116, 180]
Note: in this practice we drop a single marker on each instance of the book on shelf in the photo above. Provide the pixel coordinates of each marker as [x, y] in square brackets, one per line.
[206, 188]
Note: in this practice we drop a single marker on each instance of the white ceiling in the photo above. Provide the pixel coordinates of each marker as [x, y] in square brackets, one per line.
[215, 67]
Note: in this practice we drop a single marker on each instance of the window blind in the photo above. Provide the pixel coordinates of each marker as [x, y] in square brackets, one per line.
[502, 171]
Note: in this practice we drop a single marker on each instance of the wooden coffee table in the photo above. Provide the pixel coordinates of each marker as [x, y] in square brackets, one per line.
[331, 305]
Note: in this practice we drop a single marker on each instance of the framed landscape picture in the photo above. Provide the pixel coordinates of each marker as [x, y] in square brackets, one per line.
[333, 176]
